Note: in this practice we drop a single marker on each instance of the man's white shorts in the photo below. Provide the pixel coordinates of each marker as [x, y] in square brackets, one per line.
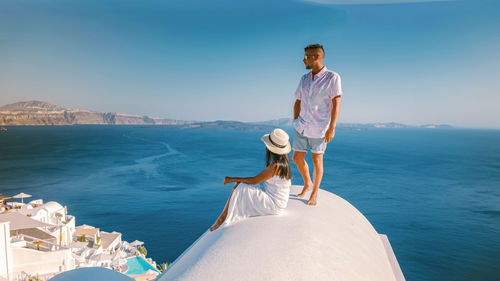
[303, 143]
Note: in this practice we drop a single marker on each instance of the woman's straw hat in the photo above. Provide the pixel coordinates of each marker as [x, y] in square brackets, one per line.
[277, 142]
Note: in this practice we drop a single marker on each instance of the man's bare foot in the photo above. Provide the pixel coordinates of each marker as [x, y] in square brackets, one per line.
[312, 200]
[304, 191]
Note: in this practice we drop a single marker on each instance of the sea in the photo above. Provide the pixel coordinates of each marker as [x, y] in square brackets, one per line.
[434, 192]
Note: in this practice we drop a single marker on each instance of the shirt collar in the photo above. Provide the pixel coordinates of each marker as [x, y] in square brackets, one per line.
[320, 74]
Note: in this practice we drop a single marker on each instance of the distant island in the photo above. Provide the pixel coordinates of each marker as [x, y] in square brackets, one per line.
[39, 113]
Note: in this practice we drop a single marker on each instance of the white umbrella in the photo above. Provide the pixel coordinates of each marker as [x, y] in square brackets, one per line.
[22, 196]
[136, 243]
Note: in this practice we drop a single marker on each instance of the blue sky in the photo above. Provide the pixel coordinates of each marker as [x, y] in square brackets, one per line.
[414, 62]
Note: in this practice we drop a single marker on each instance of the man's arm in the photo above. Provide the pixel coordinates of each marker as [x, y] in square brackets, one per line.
[330, 132]
[296, 109]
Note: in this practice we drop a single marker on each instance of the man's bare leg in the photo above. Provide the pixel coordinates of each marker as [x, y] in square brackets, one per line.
[318, 175]
[220, 220]
[300, 161]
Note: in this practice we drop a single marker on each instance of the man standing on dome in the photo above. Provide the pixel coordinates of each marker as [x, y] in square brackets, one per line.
[315, 116]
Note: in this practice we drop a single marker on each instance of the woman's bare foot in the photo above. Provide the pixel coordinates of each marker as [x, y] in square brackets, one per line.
[304, 191]
[214, 227]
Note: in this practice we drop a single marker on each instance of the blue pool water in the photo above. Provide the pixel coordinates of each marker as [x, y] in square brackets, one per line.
[435, 193]
[137, 265]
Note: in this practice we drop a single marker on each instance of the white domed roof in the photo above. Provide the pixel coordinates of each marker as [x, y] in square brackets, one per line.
[91, 273]
[330, 241]
[52, 206]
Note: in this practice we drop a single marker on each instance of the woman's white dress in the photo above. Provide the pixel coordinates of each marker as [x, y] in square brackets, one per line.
[267, 198]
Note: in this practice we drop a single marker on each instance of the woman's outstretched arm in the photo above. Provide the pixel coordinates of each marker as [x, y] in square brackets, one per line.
[266, 174]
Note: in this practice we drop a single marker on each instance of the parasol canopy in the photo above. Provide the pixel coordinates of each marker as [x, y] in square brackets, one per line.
[22, 195]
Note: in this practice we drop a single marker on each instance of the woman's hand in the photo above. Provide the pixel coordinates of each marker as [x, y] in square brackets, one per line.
[228, 180]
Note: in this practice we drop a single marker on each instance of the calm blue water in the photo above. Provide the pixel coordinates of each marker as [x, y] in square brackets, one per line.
[435, 193]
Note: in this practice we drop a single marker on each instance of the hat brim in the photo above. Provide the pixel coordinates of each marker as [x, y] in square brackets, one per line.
[275, 149]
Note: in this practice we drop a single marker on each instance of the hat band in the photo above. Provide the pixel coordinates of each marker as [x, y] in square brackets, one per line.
[275, 144]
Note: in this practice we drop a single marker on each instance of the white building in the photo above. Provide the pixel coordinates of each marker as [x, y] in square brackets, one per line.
[52, 213]
[33, 239]
[89, 232]
[110, 242]
[41, 240]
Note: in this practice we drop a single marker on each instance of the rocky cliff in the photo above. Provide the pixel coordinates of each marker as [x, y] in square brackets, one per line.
[40, 113]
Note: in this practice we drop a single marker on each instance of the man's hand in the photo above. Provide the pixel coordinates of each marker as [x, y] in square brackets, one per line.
[330, 133]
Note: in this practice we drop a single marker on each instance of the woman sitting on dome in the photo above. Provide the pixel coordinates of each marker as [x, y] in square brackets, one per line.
[265, 194]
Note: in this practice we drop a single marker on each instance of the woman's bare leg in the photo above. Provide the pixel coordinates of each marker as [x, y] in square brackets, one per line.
[223, 215]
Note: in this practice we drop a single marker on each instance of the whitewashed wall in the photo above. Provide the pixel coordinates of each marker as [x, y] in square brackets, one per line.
[6, 260]
[34, 261]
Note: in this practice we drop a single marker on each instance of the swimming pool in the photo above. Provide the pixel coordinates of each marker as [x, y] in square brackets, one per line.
[137, 265]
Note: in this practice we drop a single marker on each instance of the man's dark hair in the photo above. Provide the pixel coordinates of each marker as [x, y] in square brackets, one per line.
[315, 47]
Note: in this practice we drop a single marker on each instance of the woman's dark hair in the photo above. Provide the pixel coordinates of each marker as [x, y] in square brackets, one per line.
[282, 162]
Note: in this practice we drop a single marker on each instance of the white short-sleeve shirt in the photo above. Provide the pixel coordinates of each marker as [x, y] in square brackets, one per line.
[316, 102]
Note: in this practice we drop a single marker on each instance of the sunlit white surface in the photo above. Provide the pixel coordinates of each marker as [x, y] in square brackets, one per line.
[331, 241]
